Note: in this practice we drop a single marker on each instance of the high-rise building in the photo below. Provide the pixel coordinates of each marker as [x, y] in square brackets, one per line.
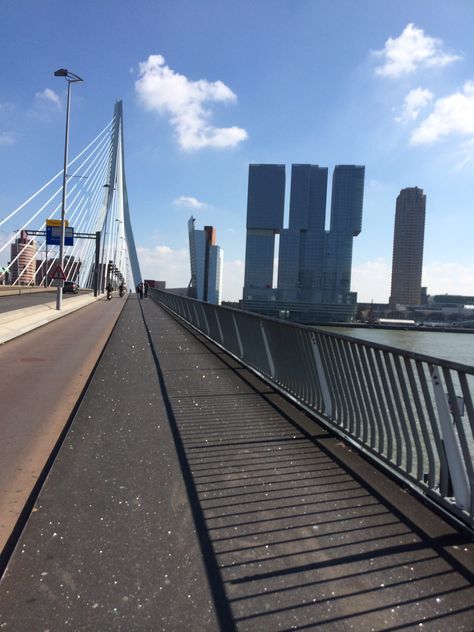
[346, 223]
[314, 265]
[265, 209]
[408, 241]
[301, 256]
[23, 260]
[206, 259]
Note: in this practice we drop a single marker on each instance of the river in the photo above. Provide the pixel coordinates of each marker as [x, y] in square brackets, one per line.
[457, 347]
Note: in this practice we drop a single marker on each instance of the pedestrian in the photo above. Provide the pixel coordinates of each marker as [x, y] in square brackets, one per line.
[145, 286]
[140, 290]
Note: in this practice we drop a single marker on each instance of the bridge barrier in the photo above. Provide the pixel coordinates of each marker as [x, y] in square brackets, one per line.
[410, 412]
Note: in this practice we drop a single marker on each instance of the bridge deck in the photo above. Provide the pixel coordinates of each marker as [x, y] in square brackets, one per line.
[189, 495]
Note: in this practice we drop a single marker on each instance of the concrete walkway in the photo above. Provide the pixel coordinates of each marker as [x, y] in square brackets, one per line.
[43, 374]
[17, 322]
[188, 495]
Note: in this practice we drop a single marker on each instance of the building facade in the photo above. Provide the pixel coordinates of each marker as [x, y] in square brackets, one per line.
[265, 210]
[314, 265]
[206, 259]
[408, 239]
[23, 260]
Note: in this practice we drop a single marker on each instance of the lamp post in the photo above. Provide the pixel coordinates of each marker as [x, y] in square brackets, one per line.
[70, 78]
[119, 221]
[104, 273]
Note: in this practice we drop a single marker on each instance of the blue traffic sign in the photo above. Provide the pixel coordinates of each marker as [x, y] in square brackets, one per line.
[53, 236]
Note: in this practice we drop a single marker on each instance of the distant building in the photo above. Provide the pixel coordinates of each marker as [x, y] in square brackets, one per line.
[408, 242]
[452, 299]
[206, 259]
[314, 265]
[71, 267]
[157, 285]
[23, 260]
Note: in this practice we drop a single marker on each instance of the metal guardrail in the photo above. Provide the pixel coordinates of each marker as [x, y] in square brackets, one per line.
[413, 413]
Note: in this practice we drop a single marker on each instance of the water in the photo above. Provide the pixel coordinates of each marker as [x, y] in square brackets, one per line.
[457, 347]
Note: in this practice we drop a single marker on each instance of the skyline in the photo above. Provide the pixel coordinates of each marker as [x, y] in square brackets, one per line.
[314, 265]
[209, 90]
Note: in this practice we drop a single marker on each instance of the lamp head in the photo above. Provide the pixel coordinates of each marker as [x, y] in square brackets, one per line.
[62, 72]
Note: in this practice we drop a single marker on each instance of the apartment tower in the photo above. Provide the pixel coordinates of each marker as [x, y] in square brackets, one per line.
[23, 260]
[314, 264]
[408, 241]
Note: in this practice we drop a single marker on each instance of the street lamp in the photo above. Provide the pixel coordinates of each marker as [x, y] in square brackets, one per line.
[70, 78]
[119, 221]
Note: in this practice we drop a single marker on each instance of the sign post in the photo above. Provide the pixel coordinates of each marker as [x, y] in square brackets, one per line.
[58, 277]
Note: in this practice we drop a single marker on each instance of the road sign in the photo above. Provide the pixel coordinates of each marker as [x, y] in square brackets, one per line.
[57, 283]
[53, 235]
[56, 222]
[58, 274]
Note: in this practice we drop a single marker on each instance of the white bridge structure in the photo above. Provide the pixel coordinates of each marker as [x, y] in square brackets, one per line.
[97, 210]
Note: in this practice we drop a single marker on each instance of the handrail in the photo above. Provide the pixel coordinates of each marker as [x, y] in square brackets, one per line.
[412, 413]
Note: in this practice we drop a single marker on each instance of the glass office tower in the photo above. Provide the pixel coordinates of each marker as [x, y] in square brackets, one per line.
[301, 257]
[314, 267]
[346, 223]
[206, 259]
[265, 209]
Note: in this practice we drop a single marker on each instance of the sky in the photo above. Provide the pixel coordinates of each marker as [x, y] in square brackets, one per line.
[210, 86]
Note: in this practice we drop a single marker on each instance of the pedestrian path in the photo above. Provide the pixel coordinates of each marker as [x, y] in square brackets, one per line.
[17, 322]
[43, 374]
[188, 495]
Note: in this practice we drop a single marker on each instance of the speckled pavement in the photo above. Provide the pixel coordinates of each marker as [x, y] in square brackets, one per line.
[189, 495]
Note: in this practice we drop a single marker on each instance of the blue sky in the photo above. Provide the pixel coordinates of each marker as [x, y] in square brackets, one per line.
[211, 86]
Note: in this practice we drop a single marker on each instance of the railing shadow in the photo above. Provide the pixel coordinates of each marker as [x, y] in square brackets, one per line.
[291, 536]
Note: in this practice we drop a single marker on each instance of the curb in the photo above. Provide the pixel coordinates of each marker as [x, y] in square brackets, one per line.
[21, 321]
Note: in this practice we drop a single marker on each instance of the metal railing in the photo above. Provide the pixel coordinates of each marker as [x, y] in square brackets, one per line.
[413, 413]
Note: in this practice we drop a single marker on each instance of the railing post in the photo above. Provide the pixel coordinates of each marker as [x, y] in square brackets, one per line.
[238, 336]
[453, 454]
[196, 322]
[219, 326]
[321, 376]
[205, 319]
[271, 365]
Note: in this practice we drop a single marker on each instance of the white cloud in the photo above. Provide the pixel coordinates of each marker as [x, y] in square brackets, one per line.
[161, 89]
[450, 278]
[233, 280]
[410, 51]
[7, 139]
[375, 185]
[453, 114]
[415, 101]
[467, 154]
[162, 263]
[189, 202]
[49, 96]
[371, 281]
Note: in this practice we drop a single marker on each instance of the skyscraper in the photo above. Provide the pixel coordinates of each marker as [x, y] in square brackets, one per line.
[314, 267]
[206, 259]
[346, 223]
[23, 260]
[408, 241]
[301, 257]
[265, 209]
